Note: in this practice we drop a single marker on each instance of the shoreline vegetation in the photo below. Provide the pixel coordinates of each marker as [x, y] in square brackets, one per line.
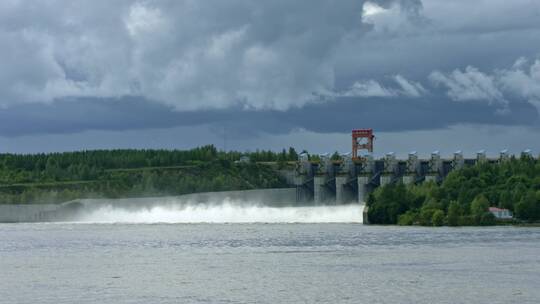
[60, 177]
[464, 197]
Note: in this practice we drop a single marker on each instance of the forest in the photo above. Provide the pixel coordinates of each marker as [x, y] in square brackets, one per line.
[463, 198]
[60, 177]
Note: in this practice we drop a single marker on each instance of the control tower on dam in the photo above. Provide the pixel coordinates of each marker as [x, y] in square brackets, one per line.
[351, 177]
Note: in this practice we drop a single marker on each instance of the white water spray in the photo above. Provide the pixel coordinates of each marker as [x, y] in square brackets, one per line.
[225, 212]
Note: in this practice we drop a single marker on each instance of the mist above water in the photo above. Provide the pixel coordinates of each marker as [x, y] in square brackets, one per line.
[224, 212]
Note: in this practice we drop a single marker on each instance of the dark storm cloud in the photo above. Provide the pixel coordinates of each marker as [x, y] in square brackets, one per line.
[383, 114]
[267, 66]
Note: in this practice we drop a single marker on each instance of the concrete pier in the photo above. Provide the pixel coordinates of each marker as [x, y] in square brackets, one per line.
[458, 162]
[365, 218]
[303, 190]
[363, 181]
[386, 179]
[481, 156]
[344, 193]
[390, 169]
[431, 178]
[412, 169]
[321, 193]
[408, 179]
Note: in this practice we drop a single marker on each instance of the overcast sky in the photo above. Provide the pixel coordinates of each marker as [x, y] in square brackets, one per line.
[424, 74]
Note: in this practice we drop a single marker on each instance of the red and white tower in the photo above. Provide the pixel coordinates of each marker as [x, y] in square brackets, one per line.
[362, 139]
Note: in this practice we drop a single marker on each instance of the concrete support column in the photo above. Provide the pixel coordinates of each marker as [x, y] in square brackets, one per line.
[320, 192]
[481, 156]
[458, 162]
[299, 180]
[408, 179]
[431, 178]
[386, 179]
[365, 219]
[343, 193]
[302, 193]
[363, 181]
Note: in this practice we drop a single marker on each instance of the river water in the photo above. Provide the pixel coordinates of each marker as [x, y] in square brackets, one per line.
[266, 263]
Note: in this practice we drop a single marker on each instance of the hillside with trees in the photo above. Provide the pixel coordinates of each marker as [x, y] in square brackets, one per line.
[59, 177]
[463, 198]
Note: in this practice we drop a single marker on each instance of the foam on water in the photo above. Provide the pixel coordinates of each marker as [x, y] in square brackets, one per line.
[225, 212]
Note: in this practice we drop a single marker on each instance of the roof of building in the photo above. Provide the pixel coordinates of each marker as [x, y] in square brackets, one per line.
[495, 209]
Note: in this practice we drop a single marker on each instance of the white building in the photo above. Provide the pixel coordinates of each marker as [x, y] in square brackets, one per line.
[499, 213]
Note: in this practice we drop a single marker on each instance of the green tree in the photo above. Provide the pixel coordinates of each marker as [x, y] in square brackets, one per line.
[283, 156]
[387, 203]
[528, 207]
[408, 218]
[437, 218]
[479, 205]
[454, 212]
[487, 219]
[505, 200]
[293, 156]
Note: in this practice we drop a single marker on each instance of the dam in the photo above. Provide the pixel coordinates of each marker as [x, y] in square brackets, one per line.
[351, 177]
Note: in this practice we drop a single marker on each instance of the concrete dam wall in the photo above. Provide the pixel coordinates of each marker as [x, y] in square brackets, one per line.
[70, 211]
[350, 180]
[25, 213]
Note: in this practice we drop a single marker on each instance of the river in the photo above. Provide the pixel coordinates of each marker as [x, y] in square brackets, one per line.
[266, 263]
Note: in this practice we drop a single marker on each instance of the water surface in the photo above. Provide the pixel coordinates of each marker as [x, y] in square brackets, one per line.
[267, 263]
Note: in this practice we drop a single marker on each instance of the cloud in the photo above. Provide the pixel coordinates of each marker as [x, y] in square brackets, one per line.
[190, 55]
[271, 66]
[443, 35]
[410, 88]
[368, 88]
[470, 84]
[371, 9]
[520, 82]
[132, 113]
[143, 19]
[391, 18]
[372, 88]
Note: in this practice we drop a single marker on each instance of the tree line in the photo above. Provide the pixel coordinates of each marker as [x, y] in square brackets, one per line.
[463, 198]
[90, 165]
[57, 177]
